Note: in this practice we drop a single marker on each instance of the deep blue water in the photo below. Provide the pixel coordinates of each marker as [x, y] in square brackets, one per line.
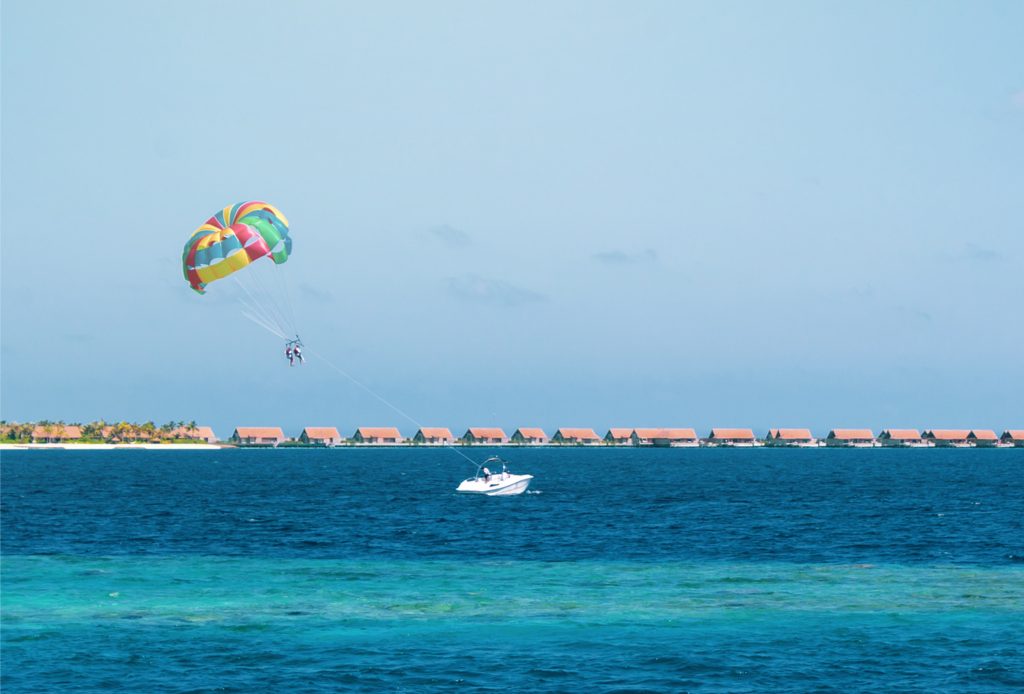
[627, 570]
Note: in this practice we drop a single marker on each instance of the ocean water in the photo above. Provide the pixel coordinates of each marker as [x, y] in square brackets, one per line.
[624, 570]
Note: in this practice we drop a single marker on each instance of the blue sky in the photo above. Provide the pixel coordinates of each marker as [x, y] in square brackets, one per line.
[554, 214]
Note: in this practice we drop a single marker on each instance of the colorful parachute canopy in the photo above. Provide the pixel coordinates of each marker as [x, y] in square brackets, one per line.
[231, 239]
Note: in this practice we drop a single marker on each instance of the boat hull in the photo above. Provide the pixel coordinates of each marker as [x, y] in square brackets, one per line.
[498, 485]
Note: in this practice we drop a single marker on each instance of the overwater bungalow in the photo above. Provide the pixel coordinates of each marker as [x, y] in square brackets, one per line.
[790, 438]
[487, 436]
[529, 436]
[983, 438]
[56, 433]
[576, 437]
[204, 434]
[257, 436]
[731, 437]
[1013, 437]
[433, 436]
[948, 438]
[377, 436]
[619, 437]
[675, 438]
[320, 436]
[850, 438]
[901, 438]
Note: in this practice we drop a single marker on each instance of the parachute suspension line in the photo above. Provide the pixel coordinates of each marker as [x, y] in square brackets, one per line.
[258, 308]
[286, 280]
[265, 326]
[271, 300]
[284, 287]
[372, 392]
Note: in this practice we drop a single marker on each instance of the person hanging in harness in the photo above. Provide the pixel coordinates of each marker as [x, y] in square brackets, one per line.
[297, 352]
[289, 354]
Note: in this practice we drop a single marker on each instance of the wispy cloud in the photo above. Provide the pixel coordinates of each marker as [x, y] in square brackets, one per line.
[981, 254]
[648, 255]
[450, 236]
[489, 291]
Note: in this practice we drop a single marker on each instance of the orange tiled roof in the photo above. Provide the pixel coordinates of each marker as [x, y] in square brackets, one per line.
[532, 432]
[848, 434]
[949, 434]
[487, 432]
[732, 434]
[792, 434]
[183, 432]
[259, 432]
[379, 432]
[321, 433]
[902, 434]
[68, 431]
[983, 435]
[436, 433]
[1015, 434]
[620, 433]
[670, 434]
[575, 433]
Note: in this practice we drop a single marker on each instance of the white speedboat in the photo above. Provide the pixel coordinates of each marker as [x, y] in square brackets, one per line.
[502, 483]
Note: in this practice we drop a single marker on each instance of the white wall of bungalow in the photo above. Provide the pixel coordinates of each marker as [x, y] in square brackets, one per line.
[1012, 437]
[720, 436]
[983, 438]
[486, 436]
[790, 438]
[948, 438]
[619, 436]
[433, 436]
[258, 436]
[377, 436]
[321, 436]
[851, 438]
[902, 438]
[665, 437]
[529, 436]
[576, 436]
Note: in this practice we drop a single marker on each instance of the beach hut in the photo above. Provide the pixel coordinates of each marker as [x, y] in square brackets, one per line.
[664, 437]
[948, 438]
[56, 433]
[983, 438]
[1012, 437]
[850, 438]
[320, 436]
[377, 436]
[619, 437]
[204, 434]
[731, 437]
[257, 436]
[529, 436]
[433, 436]
[790, 438]
[488, 436]
[901, 438]
[575, 436]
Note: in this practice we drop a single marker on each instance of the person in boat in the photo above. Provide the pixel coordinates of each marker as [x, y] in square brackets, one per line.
[487, 475]
[289, 355]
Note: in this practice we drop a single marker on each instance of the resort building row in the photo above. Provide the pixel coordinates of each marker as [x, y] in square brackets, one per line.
[524, 436]
[659, 437]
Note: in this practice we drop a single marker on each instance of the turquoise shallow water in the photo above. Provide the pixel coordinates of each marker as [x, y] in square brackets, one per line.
[650, 586]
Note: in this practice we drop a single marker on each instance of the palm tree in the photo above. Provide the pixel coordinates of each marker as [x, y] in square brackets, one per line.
[192, 428]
